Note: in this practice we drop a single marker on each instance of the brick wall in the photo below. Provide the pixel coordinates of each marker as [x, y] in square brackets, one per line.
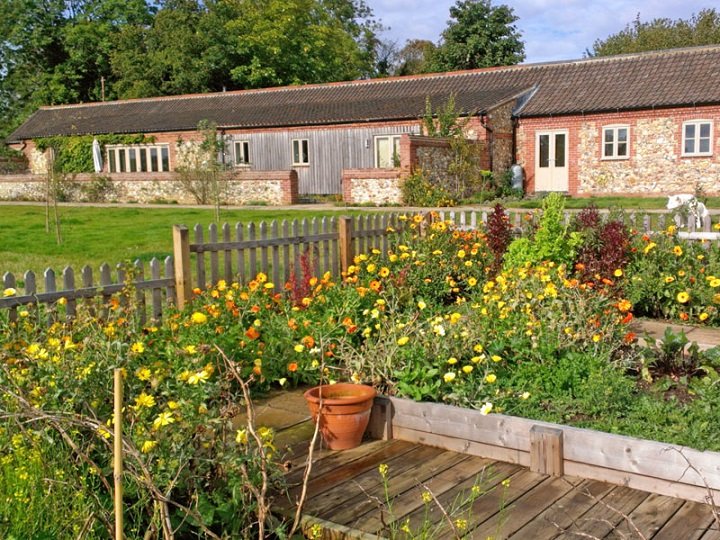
[655, 165]
[238, 187]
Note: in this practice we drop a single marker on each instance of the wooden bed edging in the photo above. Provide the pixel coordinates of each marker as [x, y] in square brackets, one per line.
[666, 469]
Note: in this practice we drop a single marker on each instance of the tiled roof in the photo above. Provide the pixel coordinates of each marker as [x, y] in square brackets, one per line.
[679, 77]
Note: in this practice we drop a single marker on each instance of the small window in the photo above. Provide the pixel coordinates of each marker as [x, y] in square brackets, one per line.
[301, 155]
[242, 153]
[616, 142]
[697, 138]
[387, 152]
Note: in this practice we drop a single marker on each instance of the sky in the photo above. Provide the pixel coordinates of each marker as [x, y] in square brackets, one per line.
[551, 29]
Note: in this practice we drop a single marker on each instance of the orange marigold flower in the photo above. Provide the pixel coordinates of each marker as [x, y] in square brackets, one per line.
[292, 367]
[252, 333]
[627, 318]
[629, 337]
[624, 305]
[308, 341]
[684, 316]
[375, 285]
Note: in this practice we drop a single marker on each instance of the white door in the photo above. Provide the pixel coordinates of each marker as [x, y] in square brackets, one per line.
[551, 163]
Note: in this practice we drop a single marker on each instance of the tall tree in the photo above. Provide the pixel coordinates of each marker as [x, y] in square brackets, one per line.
[638, 36]
[478, 35]
[415, 57]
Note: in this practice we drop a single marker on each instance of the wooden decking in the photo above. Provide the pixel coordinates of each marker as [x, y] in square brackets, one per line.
[346, 495]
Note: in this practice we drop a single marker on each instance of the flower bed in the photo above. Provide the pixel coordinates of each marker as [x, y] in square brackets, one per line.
[534, 327]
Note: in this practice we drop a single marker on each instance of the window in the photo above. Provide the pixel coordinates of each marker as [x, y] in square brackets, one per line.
[242, 153]
[138, 158]
[387, 152]
[616, 142]
[301, 155]
[697, 138]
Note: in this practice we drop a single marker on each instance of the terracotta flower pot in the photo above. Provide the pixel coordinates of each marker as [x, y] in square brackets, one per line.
[345, 412]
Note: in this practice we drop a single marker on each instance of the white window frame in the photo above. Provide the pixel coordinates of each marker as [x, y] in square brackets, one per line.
[303, 156]
[392, 138]
[241, 153]
[118, 157]
[614, 129]
[696, 139]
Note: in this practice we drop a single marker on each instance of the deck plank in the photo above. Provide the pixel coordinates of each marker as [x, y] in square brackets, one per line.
[331, 467]
[409, 501]
[648, 518]
[525, 508]
[334, 489]
[352, 511]
[606, 514]
[688, 523]
[564, 512]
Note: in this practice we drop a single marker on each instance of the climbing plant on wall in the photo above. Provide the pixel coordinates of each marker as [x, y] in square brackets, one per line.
[73, 154]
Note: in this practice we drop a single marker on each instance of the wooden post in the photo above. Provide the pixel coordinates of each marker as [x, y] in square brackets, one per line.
[546, 450]
[345, 230]
[181, 253]
[118, 455]
[380, 426]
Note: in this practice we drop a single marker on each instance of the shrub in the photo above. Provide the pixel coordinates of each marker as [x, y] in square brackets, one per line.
[417, 190]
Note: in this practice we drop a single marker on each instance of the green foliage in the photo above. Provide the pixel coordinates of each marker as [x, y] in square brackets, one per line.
[638, 36]
[445, 121]
[73, 154]
[417, 190]
[479, 35]
[414, 58]
[551, 242]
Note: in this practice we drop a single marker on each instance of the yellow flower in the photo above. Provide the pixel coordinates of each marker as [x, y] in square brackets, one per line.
[138, 347]
[143, 374]
[682, 297]
[525, 395]
[163, 419]
[490, 378]
[261, 278]
[478, 348]
[384, 272]
[190, 349]
[172, 405]
[144, 400]
[455, 318]
[198, 318]
[677, 250]
[461, 524]
[669, 279]
[371, 268]
[467, 369]
[241, 437]
[9, 292]
[618, 273]
[104, 433]
[383, 469]
[449, 376]
[505, 483]
[461, 254]
[421, 304]
[147, 446]
[198, 376]
[495, 358]
[452, 360]
[703, 316]
[596, 338]
[426, 497]
[714, 283]
[299, 348]
[486, 408]
[649, 247]
[471, 282]
[403, 340]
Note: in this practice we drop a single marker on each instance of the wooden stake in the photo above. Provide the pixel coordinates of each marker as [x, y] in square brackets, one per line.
[181, 255]
[118, 455]
[345, 229]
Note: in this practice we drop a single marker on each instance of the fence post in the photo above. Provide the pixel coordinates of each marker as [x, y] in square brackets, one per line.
[345, 230]
[181, 253]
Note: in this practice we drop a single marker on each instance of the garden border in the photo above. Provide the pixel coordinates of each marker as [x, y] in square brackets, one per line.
[666, 469]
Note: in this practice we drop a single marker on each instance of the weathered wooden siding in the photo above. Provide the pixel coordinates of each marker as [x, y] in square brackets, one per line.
[331, 151]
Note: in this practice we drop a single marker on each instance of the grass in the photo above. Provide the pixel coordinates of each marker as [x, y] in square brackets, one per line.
[95, 235]
[640, 203]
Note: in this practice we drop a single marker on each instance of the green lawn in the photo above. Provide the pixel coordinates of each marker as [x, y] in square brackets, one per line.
[96, 235]
[611, 202]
